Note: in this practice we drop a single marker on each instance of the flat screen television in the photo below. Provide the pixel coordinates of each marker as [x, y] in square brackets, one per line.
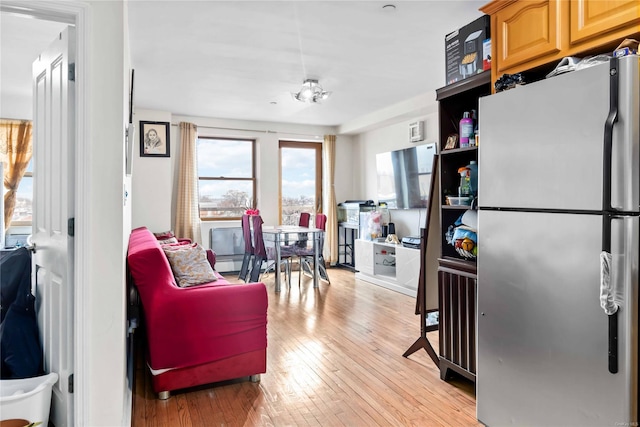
[404, 176]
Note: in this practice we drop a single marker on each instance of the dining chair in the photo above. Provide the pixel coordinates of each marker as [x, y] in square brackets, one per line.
[262, 254]
[301, 242]
[307, 256]
[247, 259]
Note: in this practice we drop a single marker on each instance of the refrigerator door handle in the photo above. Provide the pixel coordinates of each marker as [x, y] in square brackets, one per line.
[612, 118]
[610, 308]
[613, 343]
[606, 294]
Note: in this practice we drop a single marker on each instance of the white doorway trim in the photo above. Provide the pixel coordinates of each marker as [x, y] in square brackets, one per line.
[78, 14]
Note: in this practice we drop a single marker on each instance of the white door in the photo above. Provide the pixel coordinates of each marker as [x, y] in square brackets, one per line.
[53, 154]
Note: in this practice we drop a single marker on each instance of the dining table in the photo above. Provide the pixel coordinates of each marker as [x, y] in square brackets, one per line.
[278, 235]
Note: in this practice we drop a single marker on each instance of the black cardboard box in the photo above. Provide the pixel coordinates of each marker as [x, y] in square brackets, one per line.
[464, 50]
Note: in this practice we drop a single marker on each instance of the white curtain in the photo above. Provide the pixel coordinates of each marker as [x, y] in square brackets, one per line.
[187, 210]
[331, 236]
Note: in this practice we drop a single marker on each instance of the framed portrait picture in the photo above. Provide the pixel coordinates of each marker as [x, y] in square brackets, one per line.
[452, 142]
[154, 139]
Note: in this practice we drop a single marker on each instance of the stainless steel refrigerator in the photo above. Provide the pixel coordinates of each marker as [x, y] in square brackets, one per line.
[558, 226]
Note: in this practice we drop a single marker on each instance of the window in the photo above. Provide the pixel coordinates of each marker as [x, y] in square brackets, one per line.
[226, 177]
[23, 211]
[300, 180]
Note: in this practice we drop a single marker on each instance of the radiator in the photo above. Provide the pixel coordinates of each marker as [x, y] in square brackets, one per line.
[228, 244]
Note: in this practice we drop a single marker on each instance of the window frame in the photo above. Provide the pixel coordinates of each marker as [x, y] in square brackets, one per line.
[308, 145]
[227, 178]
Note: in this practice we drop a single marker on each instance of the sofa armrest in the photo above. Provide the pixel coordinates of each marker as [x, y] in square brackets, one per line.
[191, 326]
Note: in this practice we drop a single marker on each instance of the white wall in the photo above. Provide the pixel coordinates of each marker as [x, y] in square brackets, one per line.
[156, 209]
[127, 212]
[355, 179]
[388, 138]
[15, 106]
[152, 183]
[102, 377]
[102, 219]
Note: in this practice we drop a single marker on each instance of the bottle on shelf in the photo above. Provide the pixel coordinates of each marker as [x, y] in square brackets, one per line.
[466, 129]
[473, 177]
[473, 140]
[464, 190]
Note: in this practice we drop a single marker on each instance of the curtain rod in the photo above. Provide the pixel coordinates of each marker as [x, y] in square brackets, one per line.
[252, 130]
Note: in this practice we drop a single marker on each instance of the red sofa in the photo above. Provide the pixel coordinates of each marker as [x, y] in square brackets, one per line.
[196, 335]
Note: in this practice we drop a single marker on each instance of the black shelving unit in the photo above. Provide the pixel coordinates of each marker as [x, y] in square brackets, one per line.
[457, 274]
[347, 235]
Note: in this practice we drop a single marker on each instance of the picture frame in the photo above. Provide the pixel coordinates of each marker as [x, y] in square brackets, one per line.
[452, 142]
[154, 139]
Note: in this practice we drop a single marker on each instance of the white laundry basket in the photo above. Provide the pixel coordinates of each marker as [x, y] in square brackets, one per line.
[28, 398]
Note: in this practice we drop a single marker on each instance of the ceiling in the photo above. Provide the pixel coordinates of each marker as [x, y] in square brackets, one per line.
[242, 59]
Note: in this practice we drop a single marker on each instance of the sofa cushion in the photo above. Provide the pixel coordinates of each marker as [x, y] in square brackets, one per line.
[166, 237]
[169, 241]
[189, 264]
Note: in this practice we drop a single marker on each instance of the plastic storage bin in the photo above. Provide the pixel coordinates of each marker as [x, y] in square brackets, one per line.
[28, 398]
[459, 201]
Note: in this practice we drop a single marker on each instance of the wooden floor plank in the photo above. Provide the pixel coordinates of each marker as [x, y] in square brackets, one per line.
[334, 358]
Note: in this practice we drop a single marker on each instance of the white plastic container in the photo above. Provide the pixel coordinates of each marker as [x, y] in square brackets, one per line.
[459, 201]
[28, 398]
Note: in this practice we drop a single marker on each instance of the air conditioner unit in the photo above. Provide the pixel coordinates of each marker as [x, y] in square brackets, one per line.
[416, 131]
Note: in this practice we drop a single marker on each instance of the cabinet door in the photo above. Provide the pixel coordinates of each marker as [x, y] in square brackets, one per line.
[592, 19]
[526, 31]
[364, 256]
[457, 322]
[407, 267]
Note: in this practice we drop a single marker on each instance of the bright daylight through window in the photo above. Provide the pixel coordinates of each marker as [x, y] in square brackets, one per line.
[23, 211]
[226, 177]
[301, 184]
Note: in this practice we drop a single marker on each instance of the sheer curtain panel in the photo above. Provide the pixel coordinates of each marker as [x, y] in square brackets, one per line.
[187, 212]
[16, 151]
[331, 234]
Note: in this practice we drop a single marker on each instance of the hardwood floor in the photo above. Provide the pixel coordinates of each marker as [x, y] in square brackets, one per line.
[334, 358]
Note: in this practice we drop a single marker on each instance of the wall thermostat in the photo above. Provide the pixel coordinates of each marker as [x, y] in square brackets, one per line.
[416, 131]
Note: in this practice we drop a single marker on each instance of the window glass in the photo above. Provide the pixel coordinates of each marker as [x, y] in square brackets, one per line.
[23, 211]
[301, 181]
[226, 184]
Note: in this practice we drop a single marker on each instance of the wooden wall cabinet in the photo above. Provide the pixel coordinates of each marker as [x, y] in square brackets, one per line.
[593, 20]
[525, 32]
[536, 33]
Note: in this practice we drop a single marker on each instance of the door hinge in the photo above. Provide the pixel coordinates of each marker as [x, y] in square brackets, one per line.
[72, 72]
[71, 383]
[71, 226]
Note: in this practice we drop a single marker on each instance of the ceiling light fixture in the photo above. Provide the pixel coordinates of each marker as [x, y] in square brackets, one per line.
[311, 92]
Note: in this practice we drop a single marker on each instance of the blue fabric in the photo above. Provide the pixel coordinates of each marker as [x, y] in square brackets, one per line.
[15, 269]
[20, 348]
[461, 234]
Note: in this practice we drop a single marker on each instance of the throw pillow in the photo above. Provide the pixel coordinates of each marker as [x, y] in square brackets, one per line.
[164, 235]
[189, 264]
[168, 241]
